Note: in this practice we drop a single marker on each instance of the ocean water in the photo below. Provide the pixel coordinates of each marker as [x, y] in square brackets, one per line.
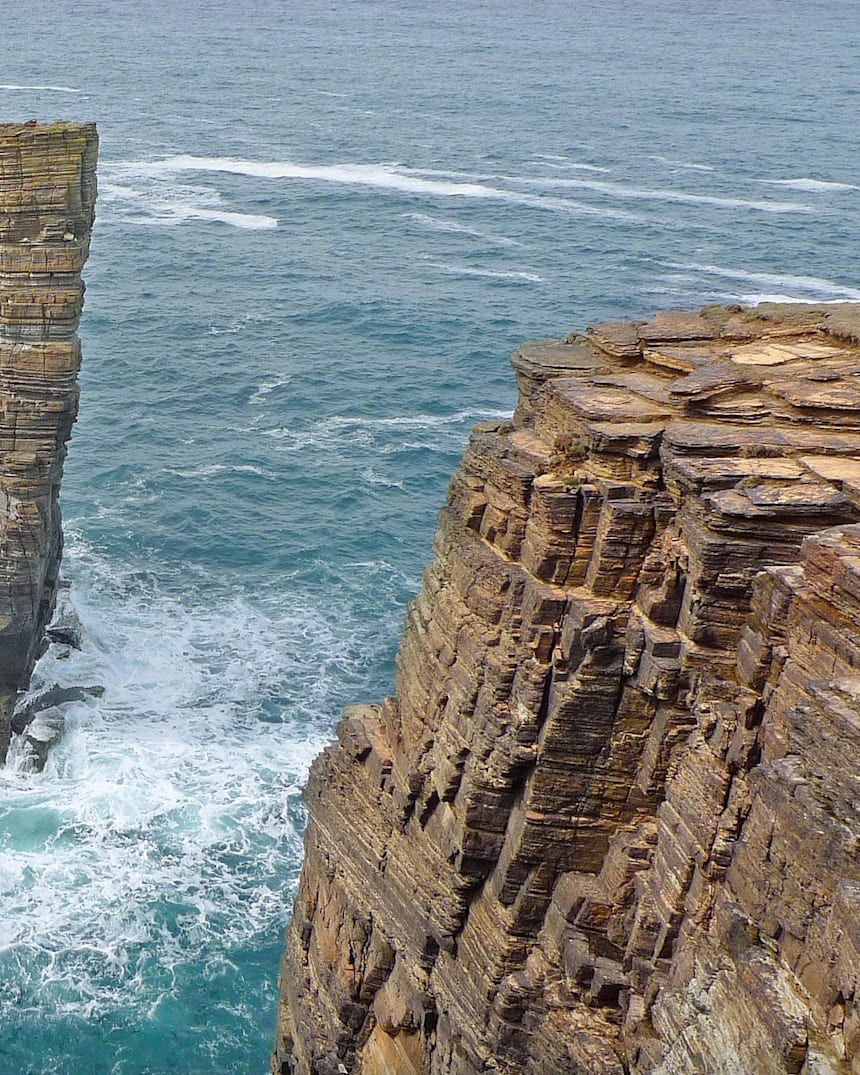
[322, 227]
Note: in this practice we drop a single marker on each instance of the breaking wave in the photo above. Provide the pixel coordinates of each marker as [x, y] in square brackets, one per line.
[453, 227]
[491, 274]
[172, 205]
[14, 87]
[677, 197]
[690, 166]
[811, 186]
[373, 176]
[167, 819]
[441, 433]
[811, 288]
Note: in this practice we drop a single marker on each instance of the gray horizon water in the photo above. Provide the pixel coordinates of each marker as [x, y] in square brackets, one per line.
[321, 230]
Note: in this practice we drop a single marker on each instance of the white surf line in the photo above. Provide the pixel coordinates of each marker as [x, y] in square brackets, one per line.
[816, 286]
[372, 175]
[811, 186]
[419, 421]
[453, 227]
[377, 176]
[157, 207]
[552, 160]
[618, 191]
[687, 165]
[755, 297]
[646, 194]
[492, 274]
[14, 87]
[568, 162]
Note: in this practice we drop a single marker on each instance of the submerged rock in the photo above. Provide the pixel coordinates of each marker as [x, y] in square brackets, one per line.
[40, 721]
[65, 626]
[44, 731]
[48, 697]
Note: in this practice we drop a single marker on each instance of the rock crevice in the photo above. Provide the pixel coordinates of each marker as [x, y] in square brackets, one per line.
[610, 823]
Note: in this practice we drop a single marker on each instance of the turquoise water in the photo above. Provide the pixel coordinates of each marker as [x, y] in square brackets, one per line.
[321, 230]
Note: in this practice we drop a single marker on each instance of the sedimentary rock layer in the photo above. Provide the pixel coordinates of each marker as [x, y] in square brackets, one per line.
[609, 823]
[47, 199]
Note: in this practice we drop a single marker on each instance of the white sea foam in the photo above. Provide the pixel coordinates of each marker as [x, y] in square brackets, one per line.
[567, 167]
[751, 298]
[796, 287]
[167, 820]
[686, 165]
[755, 297]
[615, 190]
[232, 327]
[14, 87]
[374, 176]
[246, 221]
[211, 470]
[454, 227]
[442, 432]
[421, 421]
[372, 476]
[171, 205]
[554, 160]
[492, 274]
[265, 388]
[366, 175]
[812, 186]
[679, 197]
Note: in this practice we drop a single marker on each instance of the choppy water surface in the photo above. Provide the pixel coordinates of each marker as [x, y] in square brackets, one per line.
[321, 229]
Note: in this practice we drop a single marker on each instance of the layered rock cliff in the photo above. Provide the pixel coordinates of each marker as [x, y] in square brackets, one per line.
[47, 199]
[611, 820]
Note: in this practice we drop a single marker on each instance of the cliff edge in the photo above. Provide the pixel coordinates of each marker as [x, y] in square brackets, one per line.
[47, 200]
[609, 823]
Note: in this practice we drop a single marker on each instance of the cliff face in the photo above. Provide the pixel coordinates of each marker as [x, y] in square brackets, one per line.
[47, 198]
[610, 822]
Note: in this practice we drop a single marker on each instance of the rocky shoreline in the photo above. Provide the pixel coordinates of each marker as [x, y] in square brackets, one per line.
[609, 822]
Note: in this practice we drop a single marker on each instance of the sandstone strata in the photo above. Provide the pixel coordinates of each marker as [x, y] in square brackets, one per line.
[47, 198]
[610, 821]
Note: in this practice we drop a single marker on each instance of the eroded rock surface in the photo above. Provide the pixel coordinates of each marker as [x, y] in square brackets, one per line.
[47, 199]
[610, 823]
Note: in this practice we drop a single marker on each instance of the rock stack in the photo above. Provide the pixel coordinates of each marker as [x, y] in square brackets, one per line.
[47, 199]
[610, 823]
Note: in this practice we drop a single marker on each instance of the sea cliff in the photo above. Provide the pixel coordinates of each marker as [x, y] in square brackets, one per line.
[609, 822]
[47, 200]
